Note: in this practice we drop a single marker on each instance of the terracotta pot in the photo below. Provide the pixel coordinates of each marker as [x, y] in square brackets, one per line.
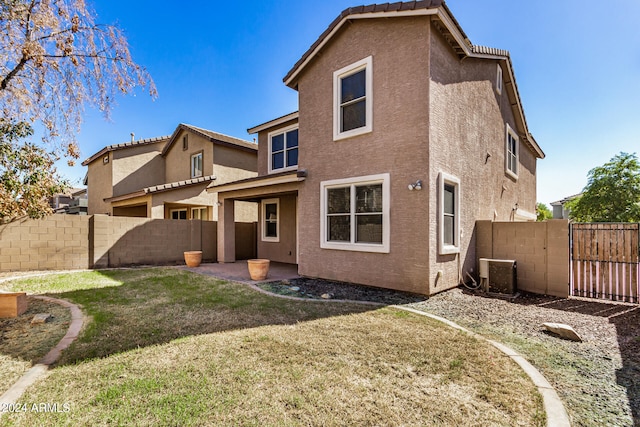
[258, 268]
[193, 258]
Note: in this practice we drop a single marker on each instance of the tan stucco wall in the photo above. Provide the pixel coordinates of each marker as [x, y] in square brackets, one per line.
[137, 167]
[233, 165]
[467, 135]
[285, 249]
[100, 187]
[398, 145]
[178, 161]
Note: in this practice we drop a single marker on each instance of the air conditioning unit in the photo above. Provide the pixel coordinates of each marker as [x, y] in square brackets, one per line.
[498, 275]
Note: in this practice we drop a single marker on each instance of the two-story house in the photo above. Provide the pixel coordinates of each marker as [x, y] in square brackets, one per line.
[166, 177]
[406, 135]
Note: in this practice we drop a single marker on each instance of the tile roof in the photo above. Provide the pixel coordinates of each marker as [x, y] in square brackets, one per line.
[161, 188]
[114, 147]
[179, 184]
[215, 137]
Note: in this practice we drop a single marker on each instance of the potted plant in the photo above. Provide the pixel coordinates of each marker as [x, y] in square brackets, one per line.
[193, 258]
[258, 268]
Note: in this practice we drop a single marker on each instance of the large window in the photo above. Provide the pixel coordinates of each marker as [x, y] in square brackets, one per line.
[355, 214]
[511, 152]
[283, 150]
[352, 98]
[270, 220]
[449, 217]
[196, 165]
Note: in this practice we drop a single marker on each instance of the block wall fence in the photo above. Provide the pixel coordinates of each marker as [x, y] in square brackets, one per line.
[541, 250]
[70, 242]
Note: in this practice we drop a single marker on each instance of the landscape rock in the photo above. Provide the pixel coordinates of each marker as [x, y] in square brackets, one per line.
[563, 331]
[325, 296]
[41, 318]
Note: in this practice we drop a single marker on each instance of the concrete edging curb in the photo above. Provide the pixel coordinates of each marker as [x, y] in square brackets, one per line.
[556, 413]
[41, 368]
[554, 408]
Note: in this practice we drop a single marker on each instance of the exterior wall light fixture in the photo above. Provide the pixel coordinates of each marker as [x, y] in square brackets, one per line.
[415, 186]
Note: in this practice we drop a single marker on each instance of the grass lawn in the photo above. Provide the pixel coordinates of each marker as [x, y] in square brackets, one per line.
[169, 347]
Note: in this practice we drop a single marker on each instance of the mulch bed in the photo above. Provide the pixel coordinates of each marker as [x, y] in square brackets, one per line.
[324, 289]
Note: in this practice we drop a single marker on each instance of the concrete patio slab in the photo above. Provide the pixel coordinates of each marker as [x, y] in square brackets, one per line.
[239, 272]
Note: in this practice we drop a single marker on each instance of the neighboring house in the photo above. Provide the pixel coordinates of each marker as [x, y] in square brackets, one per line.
[406, 135]
[560, 211]
[73, 202]
[166, 177]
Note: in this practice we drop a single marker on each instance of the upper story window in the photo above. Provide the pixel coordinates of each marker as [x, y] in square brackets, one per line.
[449, 221]
[353, 99]
[511, 153]
[355, 214]
[105, 159]
[283, 149]
[196, 165]
[185, 142]
[499, 79]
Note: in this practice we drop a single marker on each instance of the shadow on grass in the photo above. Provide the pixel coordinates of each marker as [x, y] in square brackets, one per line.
[130, 309]
[625, 318]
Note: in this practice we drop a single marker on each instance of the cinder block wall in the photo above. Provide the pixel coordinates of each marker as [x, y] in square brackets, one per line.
[541, 250]
[70, 242]
[57, 242]
[118, 241]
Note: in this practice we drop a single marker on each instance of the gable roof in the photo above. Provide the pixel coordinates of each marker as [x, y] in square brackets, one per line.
[125, 145]
[447, 25]
[215, 137]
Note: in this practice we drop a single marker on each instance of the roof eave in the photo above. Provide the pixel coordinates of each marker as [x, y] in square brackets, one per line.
[441, 11]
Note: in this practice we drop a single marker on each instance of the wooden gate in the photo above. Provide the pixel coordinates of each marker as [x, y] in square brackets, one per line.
[605, 261]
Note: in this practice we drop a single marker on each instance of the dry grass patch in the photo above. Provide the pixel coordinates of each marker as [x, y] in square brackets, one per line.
[375, 368]
[22, 345]
[179, 349]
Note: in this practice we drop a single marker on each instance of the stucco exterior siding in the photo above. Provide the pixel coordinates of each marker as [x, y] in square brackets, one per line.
[285, 249]
[137, 167]
[468, 137]
[178, 161]
[398, 145]
[100, 182]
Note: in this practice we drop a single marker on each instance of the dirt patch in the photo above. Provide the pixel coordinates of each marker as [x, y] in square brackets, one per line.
[23, 344]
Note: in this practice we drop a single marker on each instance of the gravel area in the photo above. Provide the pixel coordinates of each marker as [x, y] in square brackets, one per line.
[597, 379]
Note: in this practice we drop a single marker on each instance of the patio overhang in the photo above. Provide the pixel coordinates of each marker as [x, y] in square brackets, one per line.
[257, 187]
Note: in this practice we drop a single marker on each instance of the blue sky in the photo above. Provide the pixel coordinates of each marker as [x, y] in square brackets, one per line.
[219, 65]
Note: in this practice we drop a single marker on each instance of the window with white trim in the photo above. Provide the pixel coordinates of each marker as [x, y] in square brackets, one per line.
[178, 214]
[283, 149]
[199, 213]
[499, 79]
[449, 214]
[196, 165]
[352, 99]
[355, 214]
[512, 149]
[271, 220]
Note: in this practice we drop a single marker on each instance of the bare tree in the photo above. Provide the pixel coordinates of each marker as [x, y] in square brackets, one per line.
[54, 60]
